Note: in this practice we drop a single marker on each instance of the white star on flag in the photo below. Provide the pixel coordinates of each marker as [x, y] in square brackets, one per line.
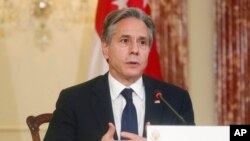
[120, 3]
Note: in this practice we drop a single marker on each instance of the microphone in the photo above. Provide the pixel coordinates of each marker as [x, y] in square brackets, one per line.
[158, 95]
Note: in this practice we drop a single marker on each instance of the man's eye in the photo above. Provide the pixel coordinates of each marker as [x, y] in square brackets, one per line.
[143, 42]
[124, 40]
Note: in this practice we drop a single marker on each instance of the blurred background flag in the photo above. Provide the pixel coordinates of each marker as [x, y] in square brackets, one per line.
[98, 64]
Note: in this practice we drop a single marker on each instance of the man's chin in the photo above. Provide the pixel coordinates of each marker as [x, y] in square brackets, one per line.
[134, 75]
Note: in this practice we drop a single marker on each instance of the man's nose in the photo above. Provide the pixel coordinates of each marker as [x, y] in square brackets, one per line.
[134, 48]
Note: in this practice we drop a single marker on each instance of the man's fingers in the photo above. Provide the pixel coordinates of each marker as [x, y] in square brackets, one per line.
[132, 137]
[128, 135]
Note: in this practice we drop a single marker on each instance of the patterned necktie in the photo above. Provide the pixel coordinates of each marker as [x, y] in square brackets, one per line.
[129, 116]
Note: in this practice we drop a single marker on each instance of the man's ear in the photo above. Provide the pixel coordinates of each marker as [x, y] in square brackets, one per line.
[105, 50]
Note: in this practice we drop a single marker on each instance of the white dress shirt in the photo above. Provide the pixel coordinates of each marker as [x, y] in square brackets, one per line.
[119, 102]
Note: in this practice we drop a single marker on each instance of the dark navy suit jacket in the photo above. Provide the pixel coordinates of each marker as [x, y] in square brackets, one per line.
[83, 111]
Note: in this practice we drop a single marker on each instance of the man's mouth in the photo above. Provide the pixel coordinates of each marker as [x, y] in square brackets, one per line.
[133, 63]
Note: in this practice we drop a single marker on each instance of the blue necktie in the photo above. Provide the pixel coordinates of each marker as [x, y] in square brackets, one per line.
[129, 116]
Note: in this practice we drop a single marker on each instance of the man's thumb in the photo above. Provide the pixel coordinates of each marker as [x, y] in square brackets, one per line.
[108, 136]
[111, 130]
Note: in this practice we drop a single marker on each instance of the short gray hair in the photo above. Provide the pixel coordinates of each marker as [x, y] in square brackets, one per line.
[117, 15]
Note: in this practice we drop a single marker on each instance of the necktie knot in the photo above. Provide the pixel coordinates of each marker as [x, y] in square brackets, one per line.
[127, 94]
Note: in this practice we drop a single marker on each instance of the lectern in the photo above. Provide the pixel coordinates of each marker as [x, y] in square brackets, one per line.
[188, 133]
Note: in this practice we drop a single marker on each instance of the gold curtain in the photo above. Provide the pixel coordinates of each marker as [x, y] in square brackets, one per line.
[233, 61]
[170, 17]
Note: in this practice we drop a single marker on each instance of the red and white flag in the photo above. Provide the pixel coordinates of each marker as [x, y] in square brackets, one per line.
[98, 64]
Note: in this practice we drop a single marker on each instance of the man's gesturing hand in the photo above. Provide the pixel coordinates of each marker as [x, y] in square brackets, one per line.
[108, 136]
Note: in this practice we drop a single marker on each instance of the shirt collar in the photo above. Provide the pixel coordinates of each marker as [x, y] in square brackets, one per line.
[116, 87]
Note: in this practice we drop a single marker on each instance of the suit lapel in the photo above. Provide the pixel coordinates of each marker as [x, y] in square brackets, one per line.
[101, 103]
[153, 110]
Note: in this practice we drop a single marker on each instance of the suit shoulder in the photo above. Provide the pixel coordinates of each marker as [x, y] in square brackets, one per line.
[84, 86]
[161, 85]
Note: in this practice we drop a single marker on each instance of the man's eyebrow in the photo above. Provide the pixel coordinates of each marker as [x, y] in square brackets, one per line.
[127, 36]
[143, 38]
